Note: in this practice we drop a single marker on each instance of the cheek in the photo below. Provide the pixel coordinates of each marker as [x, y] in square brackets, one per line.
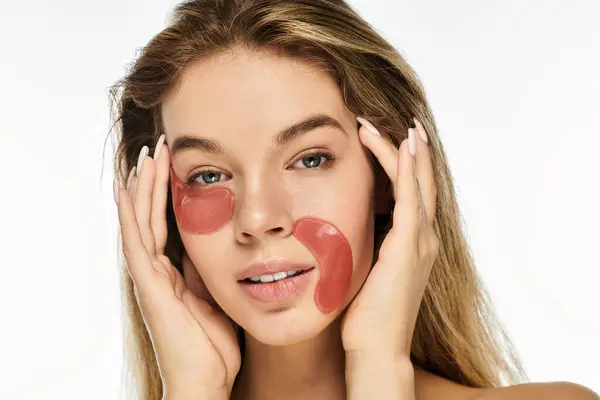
[201, 211]
[207, 211]
[334, 255]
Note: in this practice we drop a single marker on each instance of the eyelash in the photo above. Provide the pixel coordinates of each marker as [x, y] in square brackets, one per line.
[329, 158]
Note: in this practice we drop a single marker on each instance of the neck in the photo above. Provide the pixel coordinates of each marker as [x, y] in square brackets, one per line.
[313, 369]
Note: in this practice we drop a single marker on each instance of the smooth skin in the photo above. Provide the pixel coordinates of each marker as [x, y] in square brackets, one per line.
[196, 346]
[202, 358]
[382, 317]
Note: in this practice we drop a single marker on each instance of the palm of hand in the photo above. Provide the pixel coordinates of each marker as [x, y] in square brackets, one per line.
[209, 337]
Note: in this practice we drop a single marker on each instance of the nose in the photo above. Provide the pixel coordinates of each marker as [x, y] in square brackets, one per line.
[262, 212]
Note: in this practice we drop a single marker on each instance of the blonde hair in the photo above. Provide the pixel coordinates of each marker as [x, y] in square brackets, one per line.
[457, 335]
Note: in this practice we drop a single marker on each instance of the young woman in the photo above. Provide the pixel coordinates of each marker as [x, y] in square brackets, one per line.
[288, 219]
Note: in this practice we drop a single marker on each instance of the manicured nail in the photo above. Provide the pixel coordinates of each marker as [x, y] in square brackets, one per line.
[159, 144]
[130, 177]
[116, 191]
[412, 148]
[369, 126]
[143, 154]
[421, 130]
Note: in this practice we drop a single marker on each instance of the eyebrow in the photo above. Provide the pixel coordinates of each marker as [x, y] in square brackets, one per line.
[282, 138]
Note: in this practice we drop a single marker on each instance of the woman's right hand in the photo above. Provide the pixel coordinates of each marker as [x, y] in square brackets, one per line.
[195, 344]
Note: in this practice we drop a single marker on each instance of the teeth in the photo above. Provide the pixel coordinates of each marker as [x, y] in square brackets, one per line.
[279, 275]
[273, 277]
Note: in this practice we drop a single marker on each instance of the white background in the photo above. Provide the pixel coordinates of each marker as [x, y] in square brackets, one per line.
[515, 89]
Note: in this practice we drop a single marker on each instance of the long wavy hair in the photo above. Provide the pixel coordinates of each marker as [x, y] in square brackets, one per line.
[457, 334]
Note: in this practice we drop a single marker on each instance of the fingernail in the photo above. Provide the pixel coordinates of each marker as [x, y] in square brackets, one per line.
[116, 191]
[412, 148]
[369, 126]
[130, 177]
[140, 163]
[159, 144]
[421, 130]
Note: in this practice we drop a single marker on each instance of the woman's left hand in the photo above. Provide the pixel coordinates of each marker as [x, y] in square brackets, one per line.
[382, 316]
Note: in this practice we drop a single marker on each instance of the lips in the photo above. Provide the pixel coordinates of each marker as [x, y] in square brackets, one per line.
[271, 267]
[275, 292]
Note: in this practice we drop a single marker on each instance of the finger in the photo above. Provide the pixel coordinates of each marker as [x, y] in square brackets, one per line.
[146, 171]
[217, 328]
[158, 218]
[407, 210]
[131, 181]
[211, 317]
[136, 256]
[385, 151]
[424, 172]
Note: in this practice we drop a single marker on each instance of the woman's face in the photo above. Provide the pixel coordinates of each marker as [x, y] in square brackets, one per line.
[307, 198]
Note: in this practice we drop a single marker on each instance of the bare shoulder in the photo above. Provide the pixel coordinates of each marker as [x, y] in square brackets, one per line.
[539, 390]
[429, 386]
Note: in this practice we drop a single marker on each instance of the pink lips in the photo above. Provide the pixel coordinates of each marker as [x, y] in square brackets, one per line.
[270, 267]
[270, 292]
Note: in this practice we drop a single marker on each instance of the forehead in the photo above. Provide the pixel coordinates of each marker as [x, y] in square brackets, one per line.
[231, 94]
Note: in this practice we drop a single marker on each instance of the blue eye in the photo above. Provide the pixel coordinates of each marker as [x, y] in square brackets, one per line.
[213, 176]
[313, 160]
[208, 176]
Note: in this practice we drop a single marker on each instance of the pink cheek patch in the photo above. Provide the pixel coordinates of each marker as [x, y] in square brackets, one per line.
[332, 250]
[200, 211]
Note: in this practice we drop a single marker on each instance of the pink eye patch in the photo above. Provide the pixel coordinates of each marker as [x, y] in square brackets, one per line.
[200, 211]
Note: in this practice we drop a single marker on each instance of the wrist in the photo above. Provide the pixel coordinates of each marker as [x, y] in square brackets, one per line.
[385, 356]
[379, 374]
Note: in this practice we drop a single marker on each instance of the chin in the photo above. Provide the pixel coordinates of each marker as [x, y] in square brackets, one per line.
[285, 325]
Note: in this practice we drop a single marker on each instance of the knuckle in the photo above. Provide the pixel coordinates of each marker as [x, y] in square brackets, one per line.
[163, 259]
[432, 249]
[429, 246]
